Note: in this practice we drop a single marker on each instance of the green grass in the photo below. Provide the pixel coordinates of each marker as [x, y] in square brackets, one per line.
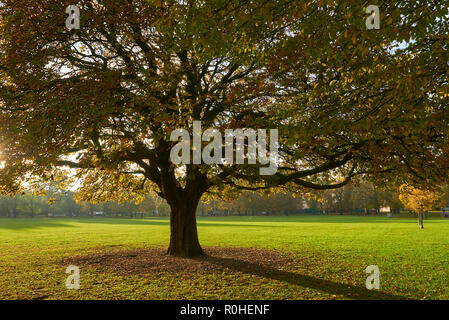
[331, 256]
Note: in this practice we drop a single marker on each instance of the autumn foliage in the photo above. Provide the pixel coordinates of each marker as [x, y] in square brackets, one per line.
[419, 200]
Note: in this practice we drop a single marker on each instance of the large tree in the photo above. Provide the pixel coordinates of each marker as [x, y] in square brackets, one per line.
[104, 99]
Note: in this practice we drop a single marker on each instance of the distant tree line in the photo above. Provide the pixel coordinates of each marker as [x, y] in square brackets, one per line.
[352, 199]
[63, 203]
[363, 198]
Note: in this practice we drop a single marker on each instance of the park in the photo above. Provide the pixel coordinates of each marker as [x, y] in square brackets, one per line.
[302, 257]
[110, 190]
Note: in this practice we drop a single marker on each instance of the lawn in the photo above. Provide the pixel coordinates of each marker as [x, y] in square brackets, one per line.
[307, 257]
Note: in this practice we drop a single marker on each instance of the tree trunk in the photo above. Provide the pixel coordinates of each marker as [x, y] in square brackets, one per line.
[184, 236]
[14, 211]
[420, 220]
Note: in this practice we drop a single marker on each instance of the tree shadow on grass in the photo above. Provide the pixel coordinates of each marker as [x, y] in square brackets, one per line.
[331, 287]
[44, 222]
[263, 263]
[20, 224]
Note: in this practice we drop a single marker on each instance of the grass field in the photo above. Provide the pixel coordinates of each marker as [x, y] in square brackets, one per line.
[306, 257]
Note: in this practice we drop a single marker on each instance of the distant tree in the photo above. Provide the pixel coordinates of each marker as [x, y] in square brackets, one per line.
[8, 206]
[146, 206]
[343, 198]
[255, 203]
[419, 200]
[367, 196]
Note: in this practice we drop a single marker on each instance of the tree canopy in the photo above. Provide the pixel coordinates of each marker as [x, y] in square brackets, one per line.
[419, 200]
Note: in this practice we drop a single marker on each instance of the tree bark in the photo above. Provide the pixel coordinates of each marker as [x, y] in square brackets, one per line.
[420, 220]
[183, 230]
